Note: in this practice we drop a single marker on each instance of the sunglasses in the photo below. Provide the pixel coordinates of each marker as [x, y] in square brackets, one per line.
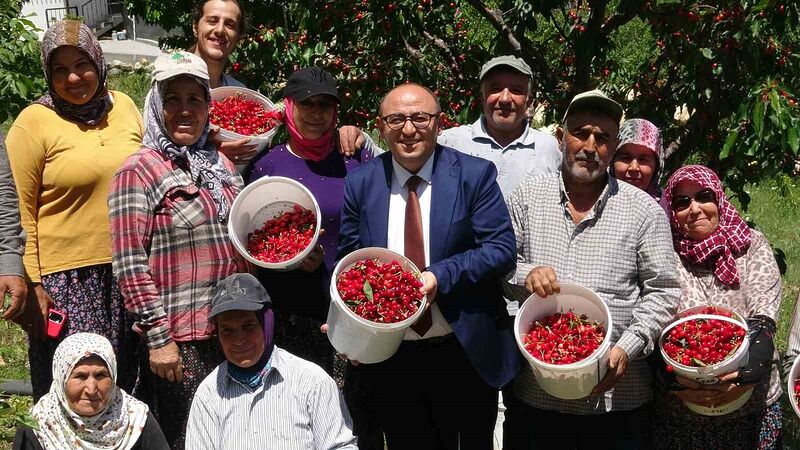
[681, 202]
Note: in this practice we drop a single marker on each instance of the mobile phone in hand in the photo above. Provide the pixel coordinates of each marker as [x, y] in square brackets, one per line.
[55, 323]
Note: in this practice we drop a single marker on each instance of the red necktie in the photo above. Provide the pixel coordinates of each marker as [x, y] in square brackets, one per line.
[414, 244]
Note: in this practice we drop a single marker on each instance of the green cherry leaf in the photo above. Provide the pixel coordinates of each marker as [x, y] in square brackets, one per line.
[368, 290]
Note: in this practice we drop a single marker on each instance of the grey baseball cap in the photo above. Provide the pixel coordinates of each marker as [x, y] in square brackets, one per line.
[511, 61]
[238, 292]
[595, 99]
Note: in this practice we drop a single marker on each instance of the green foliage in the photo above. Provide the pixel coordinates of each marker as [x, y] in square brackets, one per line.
[21, 78]
[134, 83]
[731, 62]
[14, 411]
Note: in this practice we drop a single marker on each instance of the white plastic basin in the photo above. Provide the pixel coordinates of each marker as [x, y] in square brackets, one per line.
[262, 200]
[711, 373]
[261, 141]
[568, 381]
[794, 374]
[360, 339]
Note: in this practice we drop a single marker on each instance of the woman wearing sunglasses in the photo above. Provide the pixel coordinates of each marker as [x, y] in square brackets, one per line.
[722, 262]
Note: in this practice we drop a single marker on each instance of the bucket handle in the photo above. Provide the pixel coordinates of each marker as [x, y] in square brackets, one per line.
[597, 402]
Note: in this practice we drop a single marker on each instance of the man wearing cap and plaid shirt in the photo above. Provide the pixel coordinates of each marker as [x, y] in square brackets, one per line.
[582, 226]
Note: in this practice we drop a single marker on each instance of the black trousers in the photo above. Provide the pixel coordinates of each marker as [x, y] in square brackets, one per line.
[428, 396]
[528, 428]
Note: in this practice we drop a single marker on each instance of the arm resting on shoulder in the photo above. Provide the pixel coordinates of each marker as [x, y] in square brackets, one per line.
[491, 227]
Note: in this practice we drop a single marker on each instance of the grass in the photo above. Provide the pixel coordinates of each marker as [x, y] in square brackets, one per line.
[134, 83]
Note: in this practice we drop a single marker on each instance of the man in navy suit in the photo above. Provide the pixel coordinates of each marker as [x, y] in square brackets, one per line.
[444, 210]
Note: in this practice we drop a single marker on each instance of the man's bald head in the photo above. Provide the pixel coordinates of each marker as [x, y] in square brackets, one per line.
[415, 141]
[406, 89]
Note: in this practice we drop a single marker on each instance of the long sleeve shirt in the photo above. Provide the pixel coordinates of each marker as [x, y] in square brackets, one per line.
[297, 406]
[622, 250]
[12, 237]
[62, 170]
[169, 249]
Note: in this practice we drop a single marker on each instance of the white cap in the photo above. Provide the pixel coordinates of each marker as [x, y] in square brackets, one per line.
[179, 63]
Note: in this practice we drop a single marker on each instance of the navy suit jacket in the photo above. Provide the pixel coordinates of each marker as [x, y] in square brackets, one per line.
[472, 246]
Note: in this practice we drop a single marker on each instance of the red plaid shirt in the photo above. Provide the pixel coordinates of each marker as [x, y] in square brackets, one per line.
[169, 250]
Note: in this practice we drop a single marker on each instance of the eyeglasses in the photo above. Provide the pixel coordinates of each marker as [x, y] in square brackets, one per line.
[682, 202]
[420, 120]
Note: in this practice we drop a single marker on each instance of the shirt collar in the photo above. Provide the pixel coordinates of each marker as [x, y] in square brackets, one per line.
[273, 365]
[609, 189]
[402, 175]
[480, 133]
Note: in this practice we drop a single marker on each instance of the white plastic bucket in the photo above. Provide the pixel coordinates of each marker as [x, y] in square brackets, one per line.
[360, 339]
[261, 140]
[794, 374]
[262, 200]
[709, 374]
[568, 381]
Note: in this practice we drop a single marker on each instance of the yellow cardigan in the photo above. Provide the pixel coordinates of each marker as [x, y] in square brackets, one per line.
[63, 170]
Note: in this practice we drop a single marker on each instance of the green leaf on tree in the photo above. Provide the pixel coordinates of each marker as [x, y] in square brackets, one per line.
[726, 149]
[707, 53]
[794, 139]
[758, 116]
[368, 290]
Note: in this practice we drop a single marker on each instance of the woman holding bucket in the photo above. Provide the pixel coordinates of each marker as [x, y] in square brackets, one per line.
[169, 207]
[722, 262]
[301, 297]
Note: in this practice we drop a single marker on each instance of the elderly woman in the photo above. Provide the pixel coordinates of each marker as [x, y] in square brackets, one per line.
[638, 157]
[85, 408]
[301, 297]
[64, 149]
[169, 208]
[722, 262]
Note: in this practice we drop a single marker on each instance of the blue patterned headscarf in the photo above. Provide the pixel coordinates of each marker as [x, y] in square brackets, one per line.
[74, 33]
[201, 158]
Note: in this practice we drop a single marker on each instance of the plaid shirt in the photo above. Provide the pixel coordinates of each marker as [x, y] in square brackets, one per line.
[622, 250]
[169, 250]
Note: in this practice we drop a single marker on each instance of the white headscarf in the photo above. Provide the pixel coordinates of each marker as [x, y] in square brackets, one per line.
[117, 427]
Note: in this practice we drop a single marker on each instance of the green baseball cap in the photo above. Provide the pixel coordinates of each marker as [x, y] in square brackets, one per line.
[511, 61]
[595, 99]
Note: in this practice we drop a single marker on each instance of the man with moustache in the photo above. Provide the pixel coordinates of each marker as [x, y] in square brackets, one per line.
[444, 211]
[502, 134]
[581, 226]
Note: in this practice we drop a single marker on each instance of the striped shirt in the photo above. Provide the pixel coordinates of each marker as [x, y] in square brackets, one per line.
[169, 250]
[622, 250]
[298, 406]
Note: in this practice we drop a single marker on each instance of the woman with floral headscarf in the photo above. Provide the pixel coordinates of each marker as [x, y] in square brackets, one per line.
[722, 262]
[63, 151]
[85, 409]
[638, 157]
[169, 207]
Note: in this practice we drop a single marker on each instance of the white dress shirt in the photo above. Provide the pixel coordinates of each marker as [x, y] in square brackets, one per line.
[396, 236]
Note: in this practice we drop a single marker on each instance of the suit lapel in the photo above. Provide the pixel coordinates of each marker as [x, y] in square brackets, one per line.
[377, 209]
[445, 182]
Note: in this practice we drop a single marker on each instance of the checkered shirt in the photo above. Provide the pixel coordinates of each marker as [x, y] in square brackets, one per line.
[622, 250]
[169, 250]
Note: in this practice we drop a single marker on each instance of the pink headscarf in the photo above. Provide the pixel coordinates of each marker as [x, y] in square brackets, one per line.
[313, 149]
[731, 238]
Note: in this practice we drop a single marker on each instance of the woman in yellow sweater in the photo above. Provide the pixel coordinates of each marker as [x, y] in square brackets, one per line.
[64, 149]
